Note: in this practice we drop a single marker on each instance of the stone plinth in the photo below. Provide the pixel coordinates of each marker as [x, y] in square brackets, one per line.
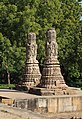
[51, 76]
[32, 73]
[43, 104]
[52, 104]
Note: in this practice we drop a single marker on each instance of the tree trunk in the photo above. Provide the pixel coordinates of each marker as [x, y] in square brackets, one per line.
[8, 77]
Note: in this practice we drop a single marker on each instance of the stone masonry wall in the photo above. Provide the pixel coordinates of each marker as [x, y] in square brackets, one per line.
[51, 104]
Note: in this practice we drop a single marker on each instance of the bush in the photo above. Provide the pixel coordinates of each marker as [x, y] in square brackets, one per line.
[7, 86]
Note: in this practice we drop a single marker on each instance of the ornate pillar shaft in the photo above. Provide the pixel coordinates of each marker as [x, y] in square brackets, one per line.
[32, 73]
[51, 74]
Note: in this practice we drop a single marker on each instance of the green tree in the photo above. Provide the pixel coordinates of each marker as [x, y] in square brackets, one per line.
[6, 56]
[11, 60]
[17, 18]
[70, 39]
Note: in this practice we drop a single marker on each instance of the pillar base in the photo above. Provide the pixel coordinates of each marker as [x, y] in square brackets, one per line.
[55, 91]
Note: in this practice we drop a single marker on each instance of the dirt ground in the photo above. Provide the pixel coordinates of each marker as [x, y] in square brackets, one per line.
[14, 113]
[6, 115]
[7, 112]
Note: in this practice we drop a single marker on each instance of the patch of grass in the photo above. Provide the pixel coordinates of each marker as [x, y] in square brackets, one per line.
[8, 86]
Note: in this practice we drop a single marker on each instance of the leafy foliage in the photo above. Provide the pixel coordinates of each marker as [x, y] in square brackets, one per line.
[7, 86]
[17, 18]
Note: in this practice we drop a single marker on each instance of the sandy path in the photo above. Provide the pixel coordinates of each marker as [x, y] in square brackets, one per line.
[6, 115]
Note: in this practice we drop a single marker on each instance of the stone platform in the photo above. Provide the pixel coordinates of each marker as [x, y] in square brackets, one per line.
[48, 92]
[56, 91]
[45, 104]
[52, 104]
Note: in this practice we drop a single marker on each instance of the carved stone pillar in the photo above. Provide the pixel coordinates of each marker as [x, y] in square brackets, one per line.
[51, 74]
[32, 73]
[52, 81]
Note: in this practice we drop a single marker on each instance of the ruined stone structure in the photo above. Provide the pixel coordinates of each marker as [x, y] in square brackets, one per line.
[51, 75]
[32, 74]
[64, 99]
[52, 81]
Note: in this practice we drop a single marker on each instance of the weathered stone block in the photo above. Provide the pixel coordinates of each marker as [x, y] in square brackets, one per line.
[21, 104]
[52, 105]
[41, 105]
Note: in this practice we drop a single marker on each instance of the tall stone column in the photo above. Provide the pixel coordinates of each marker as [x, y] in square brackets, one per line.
[52, 81]
[51, 74]
[32, 73]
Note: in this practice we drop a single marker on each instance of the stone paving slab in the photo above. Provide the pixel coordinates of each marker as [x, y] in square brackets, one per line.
[14, 94]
